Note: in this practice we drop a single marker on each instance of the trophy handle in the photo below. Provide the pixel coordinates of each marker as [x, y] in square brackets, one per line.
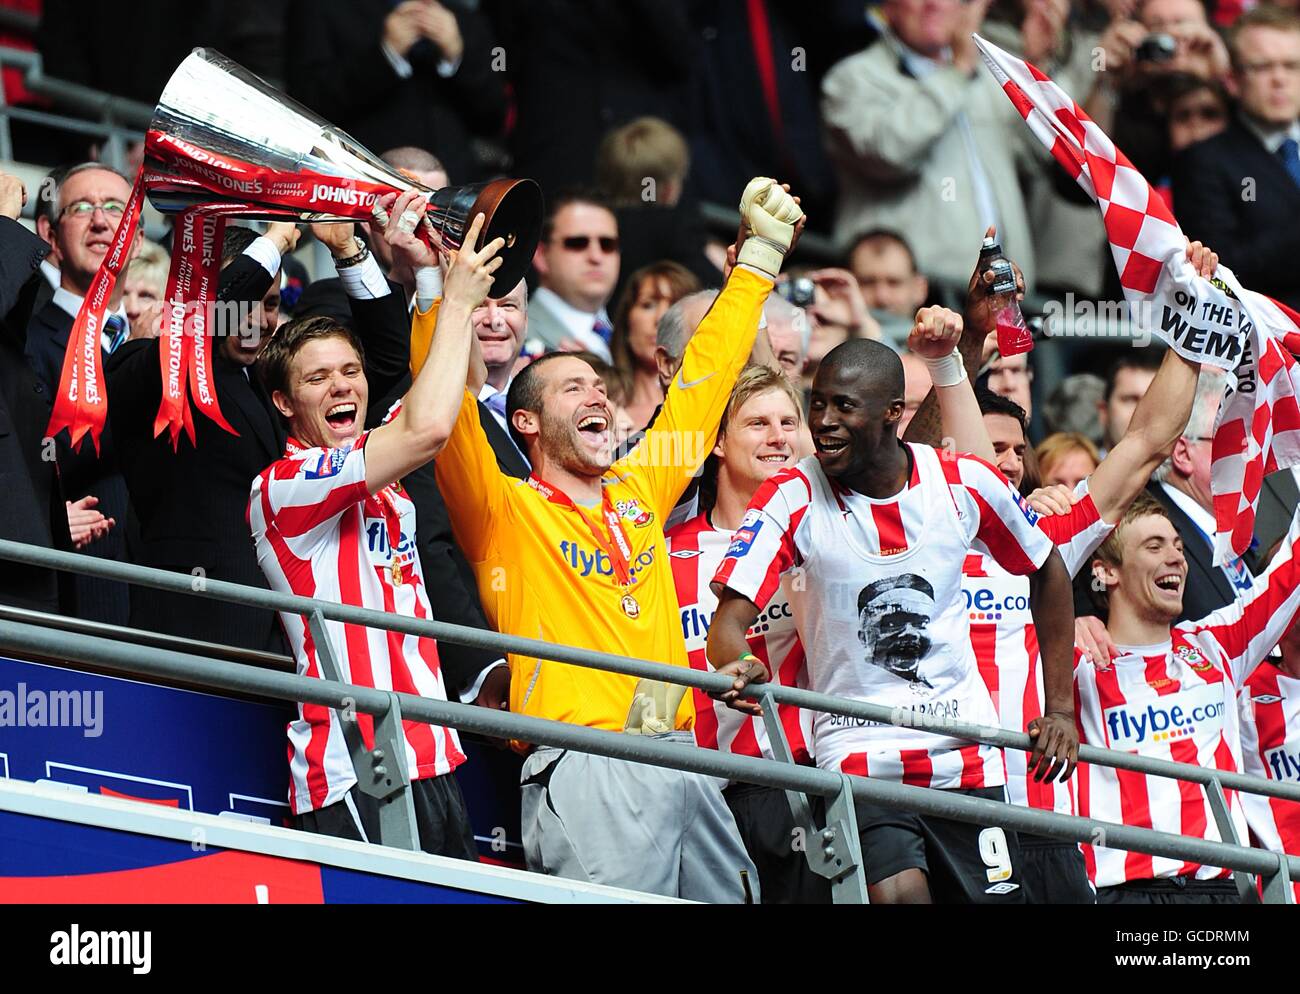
[513, 211]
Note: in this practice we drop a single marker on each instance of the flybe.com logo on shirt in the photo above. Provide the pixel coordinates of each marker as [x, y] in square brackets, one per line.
[1284, 761]
[695, 623]
[589, 561]
[377, 544]
[1165, 719]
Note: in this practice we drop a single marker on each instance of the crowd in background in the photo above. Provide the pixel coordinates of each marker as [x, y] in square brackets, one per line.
[881, 115]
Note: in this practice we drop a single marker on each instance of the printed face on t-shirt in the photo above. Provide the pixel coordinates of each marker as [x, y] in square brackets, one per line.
[893, 625]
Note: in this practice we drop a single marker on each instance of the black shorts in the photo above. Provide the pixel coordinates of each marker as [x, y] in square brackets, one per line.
[964, 863]
[767, 830]
[1171, 890]
[440, 816]
[1053, 872]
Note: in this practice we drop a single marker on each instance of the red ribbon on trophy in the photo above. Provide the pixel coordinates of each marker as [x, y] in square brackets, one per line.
[185, 346]
[224, 143]
[82, 402]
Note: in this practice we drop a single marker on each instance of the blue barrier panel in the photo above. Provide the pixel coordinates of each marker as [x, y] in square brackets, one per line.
[196, 751]
[47, 860]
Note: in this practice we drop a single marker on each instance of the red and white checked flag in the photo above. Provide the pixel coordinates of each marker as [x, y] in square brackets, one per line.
[1217, 321]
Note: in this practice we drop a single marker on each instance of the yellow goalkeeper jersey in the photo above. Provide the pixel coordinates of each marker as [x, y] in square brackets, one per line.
[540, 572]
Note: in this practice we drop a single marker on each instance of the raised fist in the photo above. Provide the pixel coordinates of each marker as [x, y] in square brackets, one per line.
[771, 218]
[935, 333]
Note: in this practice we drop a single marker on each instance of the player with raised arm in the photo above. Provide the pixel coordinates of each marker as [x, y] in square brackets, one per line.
[1002, 628]
[880, 530]
[759, 438]
[330, 520]
[576, 554]
[1170, 693]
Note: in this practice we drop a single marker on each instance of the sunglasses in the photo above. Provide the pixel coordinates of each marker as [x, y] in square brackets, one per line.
[579, 243]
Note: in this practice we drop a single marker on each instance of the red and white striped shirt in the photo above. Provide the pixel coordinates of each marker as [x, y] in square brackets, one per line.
[879, 606]
[1269, 708]
[319, 533]
[1178, 701]
[695, 550]
[1006, 643]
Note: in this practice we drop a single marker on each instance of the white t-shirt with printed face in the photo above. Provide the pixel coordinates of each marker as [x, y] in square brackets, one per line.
[880, 609]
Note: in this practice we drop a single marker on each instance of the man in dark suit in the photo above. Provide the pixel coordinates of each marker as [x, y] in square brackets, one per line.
[89, 204]
[191, 501]
[33, 508]
[416, 73]
[1240, 190]
[754, 91]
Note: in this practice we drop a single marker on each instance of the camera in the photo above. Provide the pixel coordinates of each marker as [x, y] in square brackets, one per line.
[799, 291]
[1157, 48]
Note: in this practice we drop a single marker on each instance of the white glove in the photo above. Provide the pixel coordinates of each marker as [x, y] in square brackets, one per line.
[654, 707]
[770, 215]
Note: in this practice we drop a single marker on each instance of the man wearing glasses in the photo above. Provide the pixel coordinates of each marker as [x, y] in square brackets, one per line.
[1241, 188]
[88, 205]
[577, 265]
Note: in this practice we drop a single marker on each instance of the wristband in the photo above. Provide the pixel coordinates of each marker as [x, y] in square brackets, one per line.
[746, 657]
[428, 286]
[946, 371]
[761, 254]
[347, 262]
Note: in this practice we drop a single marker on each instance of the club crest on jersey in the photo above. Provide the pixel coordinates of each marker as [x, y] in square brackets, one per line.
[329, 463]
[631, 511]
[1193, 658]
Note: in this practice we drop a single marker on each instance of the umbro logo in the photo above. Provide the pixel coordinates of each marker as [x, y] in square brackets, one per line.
[692, 553]
[1266, 698]
[1002, 888]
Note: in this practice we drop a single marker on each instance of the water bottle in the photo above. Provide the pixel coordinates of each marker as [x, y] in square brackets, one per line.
[1014, 336]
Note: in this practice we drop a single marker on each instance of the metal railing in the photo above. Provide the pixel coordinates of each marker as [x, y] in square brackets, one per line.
[117, 120]
[836, 857]
[211, 650]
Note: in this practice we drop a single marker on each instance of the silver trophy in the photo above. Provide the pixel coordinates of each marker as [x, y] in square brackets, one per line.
[217, 106]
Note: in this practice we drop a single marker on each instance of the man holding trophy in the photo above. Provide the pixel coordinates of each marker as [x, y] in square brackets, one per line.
[576, 554]
[331, 520]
